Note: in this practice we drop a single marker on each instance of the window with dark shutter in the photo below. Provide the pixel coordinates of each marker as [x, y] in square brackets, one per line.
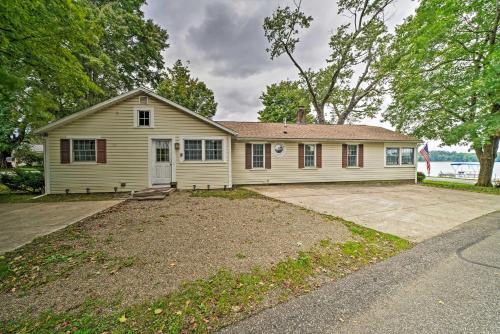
[248, 156]
[344, 155]
[267, 160]
[360, 155]
[301, 155]
[319, 156]
[65, 151]
[101, 151]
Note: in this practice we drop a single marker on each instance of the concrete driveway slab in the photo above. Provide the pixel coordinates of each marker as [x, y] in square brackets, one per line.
[20, 223]
[413, 212]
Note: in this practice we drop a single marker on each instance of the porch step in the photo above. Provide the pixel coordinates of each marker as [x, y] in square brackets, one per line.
[152, 194]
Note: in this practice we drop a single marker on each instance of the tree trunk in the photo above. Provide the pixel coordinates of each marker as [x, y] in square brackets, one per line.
[487, 155]
[3, 159]
[320, 113]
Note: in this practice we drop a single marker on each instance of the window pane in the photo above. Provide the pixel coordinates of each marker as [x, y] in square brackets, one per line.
[213, 150]
[352, 155]
[192, 150]
[258, 156]
[84, 150]
[144, 118]
[407, 155]
[392, 156]
[309, 155]
[162, 151]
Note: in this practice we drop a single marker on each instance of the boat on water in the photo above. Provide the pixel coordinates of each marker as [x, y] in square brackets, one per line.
[462, 170]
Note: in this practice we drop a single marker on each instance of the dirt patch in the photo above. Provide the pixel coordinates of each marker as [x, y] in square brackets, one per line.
[179, 239]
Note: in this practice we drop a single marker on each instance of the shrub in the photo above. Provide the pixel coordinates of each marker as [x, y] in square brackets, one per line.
[420, 176]
[24, 180]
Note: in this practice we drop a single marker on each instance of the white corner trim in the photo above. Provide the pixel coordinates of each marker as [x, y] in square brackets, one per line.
[230, 162]
[46, 164]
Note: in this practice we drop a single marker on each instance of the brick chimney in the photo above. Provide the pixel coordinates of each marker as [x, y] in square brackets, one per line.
[301, 115]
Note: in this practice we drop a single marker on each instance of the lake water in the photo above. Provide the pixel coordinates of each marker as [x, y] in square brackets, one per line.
[445, 167]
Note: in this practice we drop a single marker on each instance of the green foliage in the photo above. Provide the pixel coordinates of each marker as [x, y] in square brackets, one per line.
[462, 186]
[179, 87]
[57, 57]
[281, 102]
[420, 176]
[26, 154]
[8, 197]
[359, 44]
[23, 180]
[452, 156]
[446, 75]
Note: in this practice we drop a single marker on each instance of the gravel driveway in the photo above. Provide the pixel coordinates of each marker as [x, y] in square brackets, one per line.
[410, 211]
[179, 239]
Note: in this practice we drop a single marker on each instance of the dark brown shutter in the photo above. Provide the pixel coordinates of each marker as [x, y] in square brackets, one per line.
[319, 156]
[360, 156]
[101, 151]
[65, 151]
[301, 155]
[268, 156]
[344, 155]
[248, 156]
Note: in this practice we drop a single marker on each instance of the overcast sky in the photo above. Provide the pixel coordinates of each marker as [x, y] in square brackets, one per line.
[224, 42]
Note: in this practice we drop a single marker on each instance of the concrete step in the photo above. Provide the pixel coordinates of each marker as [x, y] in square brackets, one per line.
[152, 194]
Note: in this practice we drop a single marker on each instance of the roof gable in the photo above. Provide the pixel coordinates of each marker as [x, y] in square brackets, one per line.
[100, 106]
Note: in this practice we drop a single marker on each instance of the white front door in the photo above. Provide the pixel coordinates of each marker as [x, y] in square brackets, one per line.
[161, 172]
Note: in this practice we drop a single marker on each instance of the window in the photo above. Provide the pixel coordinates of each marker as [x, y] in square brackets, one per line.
[193, 150]
[162, 151]
[84, 150]
[309, 155]
[213, 150]
[399, 156]
[392, 156]
[407, 156]
[352, 155]
[257, 155]
[143, 118]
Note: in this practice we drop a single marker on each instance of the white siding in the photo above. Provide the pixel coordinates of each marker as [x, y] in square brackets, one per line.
[127, 150]
[285, 169]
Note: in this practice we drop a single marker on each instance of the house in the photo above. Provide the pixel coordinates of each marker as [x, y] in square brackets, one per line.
[140, 139]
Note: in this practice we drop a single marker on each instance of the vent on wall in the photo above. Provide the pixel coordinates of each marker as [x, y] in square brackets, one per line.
[143, 100]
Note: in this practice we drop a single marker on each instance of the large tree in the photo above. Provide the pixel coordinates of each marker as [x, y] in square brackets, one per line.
[57, 57]
[446, 84]
[281, 101]
[180, 87]
[351, 82]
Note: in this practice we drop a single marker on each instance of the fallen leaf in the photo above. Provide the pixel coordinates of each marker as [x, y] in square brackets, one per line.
[178, 312]
[440, 302]
[236, 308]
[122, 319]
[158, 311]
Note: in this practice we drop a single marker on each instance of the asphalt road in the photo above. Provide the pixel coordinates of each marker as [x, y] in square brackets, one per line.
[447, 284]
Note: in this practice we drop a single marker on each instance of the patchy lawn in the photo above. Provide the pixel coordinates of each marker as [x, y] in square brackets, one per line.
[190, 263]
[461, 186]
[13, 197]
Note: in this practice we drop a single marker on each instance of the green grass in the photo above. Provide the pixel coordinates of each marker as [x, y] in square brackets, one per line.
[236, 193]
[12, 197]
[207, 304]
[461, 186]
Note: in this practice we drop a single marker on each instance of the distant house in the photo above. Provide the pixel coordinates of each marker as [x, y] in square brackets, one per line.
[140, 139]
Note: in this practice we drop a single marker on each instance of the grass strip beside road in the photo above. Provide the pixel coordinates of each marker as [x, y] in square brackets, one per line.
[461, 186]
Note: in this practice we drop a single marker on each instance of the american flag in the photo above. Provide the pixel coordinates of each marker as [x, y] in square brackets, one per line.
[425, 153]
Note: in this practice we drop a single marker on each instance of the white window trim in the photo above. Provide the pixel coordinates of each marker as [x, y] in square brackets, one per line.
[400, 147]
[151, 117]
[203, 160]
[71, 157]
[263, 156]
[357, 156]
[315, 155]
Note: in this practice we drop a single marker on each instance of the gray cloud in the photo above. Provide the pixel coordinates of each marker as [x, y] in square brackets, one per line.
[225, 44]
